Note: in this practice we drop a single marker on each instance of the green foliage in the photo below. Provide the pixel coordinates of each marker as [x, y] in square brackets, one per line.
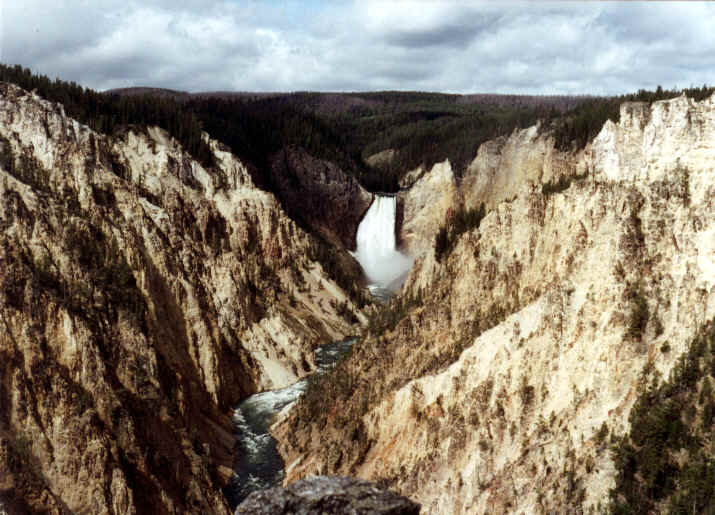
[255, 130]
[561, 185]
[106, 113]
[425, 135]
[581, 124]
[389, 314]
[460, 222]
[666, 459]
[424, 128]
[639, 313]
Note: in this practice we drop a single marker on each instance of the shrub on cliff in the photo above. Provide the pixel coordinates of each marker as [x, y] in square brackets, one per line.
[561, 185]
[460, 222]
[639, 313]
[665, 463]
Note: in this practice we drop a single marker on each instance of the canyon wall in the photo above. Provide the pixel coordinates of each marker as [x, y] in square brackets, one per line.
[318, 193]
[141, 296]
[487, 387]
[502, 169]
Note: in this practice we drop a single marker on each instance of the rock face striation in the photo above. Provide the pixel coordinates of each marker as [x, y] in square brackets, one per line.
[324, 495]
[141, 296]
[424, 208]
[491, 390]
[320, 194]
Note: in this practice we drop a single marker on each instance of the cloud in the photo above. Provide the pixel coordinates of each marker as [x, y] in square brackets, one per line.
[286, 45]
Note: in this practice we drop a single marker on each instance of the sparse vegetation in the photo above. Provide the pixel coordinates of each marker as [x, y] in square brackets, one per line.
[389, 314]
[602, 434]
[527, 393]
[340, 267]
[562, 184]
[461, 221]
[24, 167]
[639, 313]
[665, 463]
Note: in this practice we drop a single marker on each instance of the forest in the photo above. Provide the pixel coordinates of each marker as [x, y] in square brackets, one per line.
[665, 461]
[345, 128]
[107, 113]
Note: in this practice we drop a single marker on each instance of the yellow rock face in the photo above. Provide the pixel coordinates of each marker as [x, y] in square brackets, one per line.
[141, 296]
[487, 396]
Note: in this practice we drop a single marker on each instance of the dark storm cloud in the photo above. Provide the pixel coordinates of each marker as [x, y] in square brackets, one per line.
[285, 45]
[456, 37]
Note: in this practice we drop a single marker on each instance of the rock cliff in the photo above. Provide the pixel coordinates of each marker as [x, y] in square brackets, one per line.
[141, 296]
[486, 386]
[502, 169]
[424, 207]
[320, 194]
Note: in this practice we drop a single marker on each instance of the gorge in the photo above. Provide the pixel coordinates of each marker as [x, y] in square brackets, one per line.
[260, 466]
[176, 332]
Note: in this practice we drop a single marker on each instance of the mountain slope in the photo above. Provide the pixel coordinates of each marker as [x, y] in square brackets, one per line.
[486, 387]
[141, 296]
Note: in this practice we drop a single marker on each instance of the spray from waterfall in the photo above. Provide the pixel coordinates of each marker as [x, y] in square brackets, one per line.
[384, 266]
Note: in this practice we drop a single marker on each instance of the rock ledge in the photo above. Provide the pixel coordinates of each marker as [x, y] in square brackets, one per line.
[328, 495]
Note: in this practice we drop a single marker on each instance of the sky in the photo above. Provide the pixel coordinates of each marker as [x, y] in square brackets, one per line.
[451, 46]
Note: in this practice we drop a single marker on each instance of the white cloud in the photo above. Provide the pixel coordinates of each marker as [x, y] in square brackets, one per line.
[286, 45]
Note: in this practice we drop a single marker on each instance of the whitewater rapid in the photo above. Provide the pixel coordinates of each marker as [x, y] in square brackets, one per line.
[377, 253]
[259, 465]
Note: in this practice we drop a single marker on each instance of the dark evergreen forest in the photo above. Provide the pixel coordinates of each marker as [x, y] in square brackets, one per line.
[107, 113]
[345, 128]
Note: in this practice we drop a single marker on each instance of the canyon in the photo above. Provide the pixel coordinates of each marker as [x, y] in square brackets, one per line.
[143, 295]
[142, 298]
[488, 387]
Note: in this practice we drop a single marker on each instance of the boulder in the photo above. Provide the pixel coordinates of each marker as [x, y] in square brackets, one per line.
[328, 495]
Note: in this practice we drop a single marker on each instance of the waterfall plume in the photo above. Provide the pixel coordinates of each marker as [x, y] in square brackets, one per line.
[383, 264]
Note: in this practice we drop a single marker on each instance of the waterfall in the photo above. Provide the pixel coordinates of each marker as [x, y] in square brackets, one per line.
[384, 266]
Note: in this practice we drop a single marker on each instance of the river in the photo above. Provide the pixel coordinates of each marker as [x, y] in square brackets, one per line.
[259, 464]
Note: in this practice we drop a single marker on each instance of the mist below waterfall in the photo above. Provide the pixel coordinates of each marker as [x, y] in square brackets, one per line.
[383, 264]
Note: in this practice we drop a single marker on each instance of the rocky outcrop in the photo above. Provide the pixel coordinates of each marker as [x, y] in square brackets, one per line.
[381, 159]
[503, 168]
[490, 390]
[141, 296]
[320, 194]
[508, 165]
[327, 495]
[424, 207]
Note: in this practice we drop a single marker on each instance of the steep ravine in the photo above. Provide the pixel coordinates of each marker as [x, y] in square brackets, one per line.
[485, 387]
[141, 297]
[259, 465]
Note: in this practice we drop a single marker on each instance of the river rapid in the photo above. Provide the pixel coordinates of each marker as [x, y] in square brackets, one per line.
[259, 464]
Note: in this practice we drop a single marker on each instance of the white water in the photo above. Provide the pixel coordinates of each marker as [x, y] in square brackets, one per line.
[384, 266]
[259, 465]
